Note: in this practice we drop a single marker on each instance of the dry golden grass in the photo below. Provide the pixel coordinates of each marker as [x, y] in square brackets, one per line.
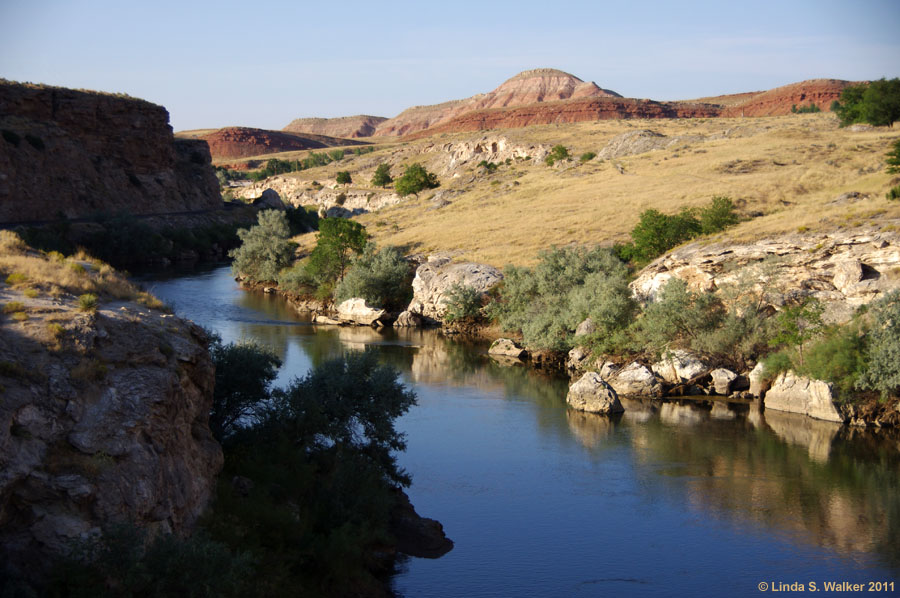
[785, 172]
[34, 273]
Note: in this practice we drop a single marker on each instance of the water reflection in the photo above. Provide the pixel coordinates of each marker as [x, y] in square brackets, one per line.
[813, 482]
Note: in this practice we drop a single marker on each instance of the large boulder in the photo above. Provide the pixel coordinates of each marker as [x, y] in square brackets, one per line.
[635, 380]
[269, 200]
[758, 382]
[407, 319]
[722, 380]
[435, 278]
[679, 366]
[799, 394]
[508, 348]
[355, 311]
[591, 393]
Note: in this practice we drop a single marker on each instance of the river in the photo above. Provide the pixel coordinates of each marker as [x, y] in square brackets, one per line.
[670, 499]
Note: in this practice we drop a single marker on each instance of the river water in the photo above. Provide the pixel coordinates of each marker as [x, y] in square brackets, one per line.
[682, 498]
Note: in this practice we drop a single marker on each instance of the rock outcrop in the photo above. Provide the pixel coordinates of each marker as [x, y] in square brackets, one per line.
[103, 419]
[841, 269]
[634, 380]
[779, 101]
[335, 200]
[435, 278]
[679, 366]
[799, 394]
[356, 311]
[346, 127]
[508, 348]
[592, 393]
[74, 153]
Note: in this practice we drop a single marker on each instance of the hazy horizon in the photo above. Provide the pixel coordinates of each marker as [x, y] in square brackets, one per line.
[219, 64]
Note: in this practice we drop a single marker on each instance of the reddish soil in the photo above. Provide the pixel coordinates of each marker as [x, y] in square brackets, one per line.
[243, 142]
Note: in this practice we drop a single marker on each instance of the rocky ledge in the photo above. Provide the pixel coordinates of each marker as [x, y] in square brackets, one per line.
[103, 418]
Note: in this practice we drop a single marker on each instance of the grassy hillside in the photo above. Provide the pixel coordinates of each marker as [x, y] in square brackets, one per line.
[785, 174]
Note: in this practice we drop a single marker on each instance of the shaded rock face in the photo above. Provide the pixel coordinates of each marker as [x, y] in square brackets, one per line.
[435, 278]
[78, 153]
[592, 394]
[110, 424]
[348, 127]
[799, 394]
[842, 269]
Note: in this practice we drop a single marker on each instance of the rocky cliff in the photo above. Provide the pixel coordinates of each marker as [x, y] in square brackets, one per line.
[348, 127]
[78, 153]
[103, 416]
[778, 101]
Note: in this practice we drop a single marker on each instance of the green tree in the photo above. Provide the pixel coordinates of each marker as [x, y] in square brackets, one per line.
[244, 373]
[382, 176]
[343, 178]
[265, 248]
[656, 233]
[893, 159]
[339, 240]
[679, 317]
[415, 178]
[876, 103]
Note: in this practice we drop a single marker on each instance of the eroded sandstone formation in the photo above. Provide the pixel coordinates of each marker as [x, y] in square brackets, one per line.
[348, 127]
[244, 142]
[78, 153]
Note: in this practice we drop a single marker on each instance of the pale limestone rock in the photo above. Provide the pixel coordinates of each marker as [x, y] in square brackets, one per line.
[846, 274]
[434, 279]
[591, 393]
[758, 384]
[585, 327]
[355, 311]
[407, 319]
[507, 347]
[635, 380]
[679, 366]
[799, 394]
[269, 200]
[722, 380]
[576, 358]
[607, 369]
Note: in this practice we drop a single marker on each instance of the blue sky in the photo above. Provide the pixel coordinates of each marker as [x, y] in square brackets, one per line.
[227, 63]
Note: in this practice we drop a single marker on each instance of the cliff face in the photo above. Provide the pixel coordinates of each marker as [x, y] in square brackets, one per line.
[348, 127]
[79, 153]
[243, 142]
[778, 101]
[569, 111]
[103, 418]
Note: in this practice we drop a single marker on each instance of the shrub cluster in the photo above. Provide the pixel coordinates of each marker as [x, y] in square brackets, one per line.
[383, 278]
[809, 109]
[557, 153]
[265, 248]
[876, 103]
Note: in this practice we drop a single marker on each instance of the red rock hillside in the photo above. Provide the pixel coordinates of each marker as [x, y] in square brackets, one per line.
[77, 153]
[569, 111]
[348, 127]
[243, 142]
[778, 101]
[528, 87]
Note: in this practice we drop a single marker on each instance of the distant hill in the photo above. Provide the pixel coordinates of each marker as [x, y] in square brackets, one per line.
[243, 142]
[348, 127]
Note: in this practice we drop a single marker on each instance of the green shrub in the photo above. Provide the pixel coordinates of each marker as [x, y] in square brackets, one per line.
[656, 233]
[490, 167]
[883, 351]
[265, 248]
[546, 303]
[876, 103]
[16, 278]
[776, 363]
[838, 356]
[415, 178]
[343, 177]
[338, 242]
[894, 193]
[302, 219]
[559, 152]
[337, 155]
[13, 306]
[797, 324]
[463, 303]
[718, 216]
[383, 278]
[809, 109]
[87, 302]
[893, 158]
[296, 279]
[587, 156]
